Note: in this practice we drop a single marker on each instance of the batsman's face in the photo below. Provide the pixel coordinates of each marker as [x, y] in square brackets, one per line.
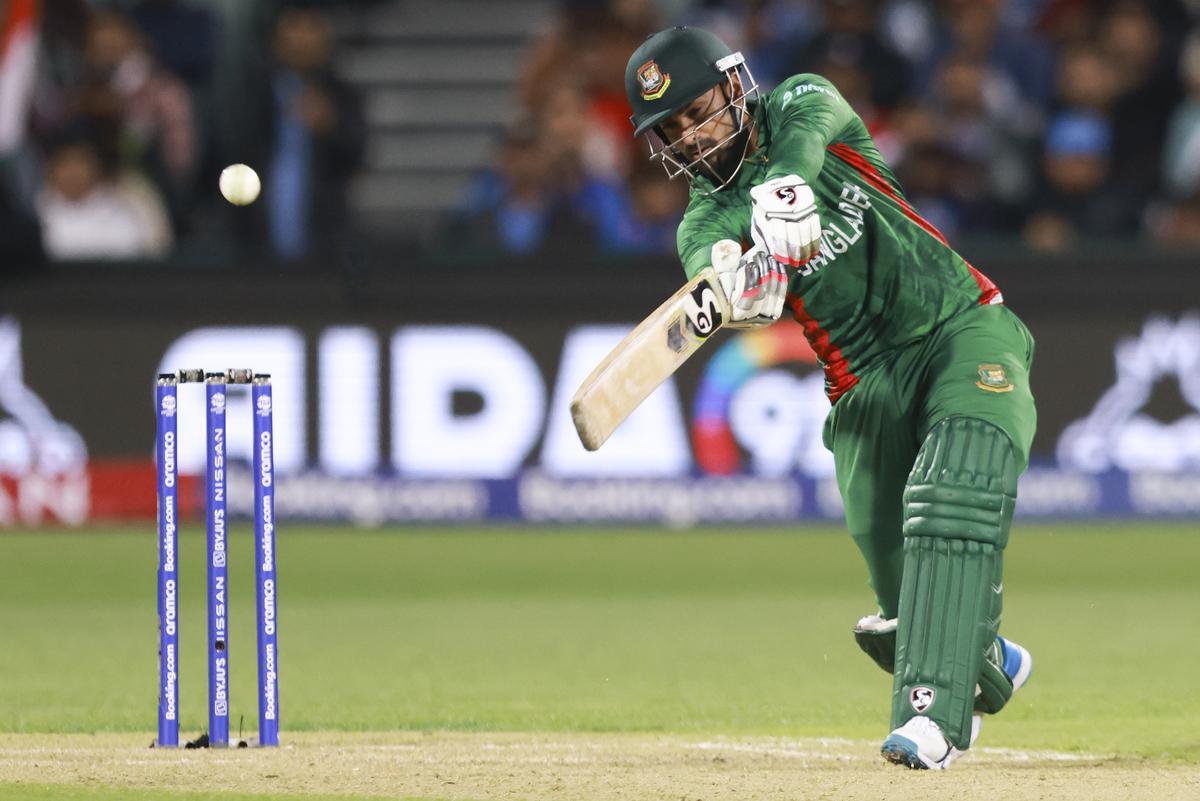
[703, 127]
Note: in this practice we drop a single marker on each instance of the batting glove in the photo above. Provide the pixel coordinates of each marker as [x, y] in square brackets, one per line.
[755, 284]
[784, 219]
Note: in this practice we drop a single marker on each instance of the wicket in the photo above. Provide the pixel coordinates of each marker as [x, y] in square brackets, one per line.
[166, 402]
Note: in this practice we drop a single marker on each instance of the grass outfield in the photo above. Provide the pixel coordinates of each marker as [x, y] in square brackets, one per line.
[639, 637]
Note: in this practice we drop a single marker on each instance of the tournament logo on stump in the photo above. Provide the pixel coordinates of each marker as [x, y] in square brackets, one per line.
[653, 80]
[922, 698]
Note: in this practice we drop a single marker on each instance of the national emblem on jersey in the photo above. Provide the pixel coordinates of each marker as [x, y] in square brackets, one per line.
[653, 80]
[993, 379]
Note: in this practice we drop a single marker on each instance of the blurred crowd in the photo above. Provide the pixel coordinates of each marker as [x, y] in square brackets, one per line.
[115, 118]
[1058, 122]
[1054, 122]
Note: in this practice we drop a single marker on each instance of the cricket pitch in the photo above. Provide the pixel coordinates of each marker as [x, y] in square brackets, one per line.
[566, 767]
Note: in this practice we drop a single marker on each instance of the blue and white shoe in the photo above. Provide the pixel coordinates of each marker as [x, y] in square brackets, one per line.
[1016, 661]
[1017, 664]
[920, 744]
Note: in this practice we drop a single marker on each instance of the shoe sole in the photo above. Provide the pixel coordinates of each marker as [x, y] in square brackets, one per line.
[902, 751]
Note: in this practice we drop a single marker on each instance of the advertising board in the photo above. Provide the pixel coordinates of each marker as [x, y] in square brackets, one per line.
[390, 413]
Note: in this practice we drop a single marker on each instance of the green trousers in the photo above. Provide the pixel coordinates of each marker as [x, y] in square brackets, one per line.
[975, 365]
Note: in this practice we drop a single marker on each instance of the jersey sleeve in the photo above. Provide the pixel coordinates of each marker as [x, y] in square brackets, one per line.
[808, 115]
[704, 223]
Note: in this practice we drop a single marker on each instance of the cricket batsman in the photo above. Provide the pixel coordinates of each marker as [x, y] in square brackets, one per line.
[926, 369]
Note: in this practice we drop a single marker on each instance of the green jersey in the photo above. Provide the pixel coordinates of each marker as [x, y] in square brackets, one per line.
[883, 278]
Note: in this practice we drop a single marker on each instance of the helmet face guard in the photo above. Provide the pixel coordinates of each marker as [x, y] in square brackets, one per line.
[672, 154]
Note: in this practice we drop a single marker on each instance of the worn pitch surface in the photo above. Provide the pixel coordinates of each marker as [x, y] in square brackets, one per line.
[585, 665]
[570, 767]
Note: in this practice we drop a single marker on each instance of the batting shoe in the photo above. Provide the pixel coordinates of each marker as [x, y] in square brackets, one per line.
[920, 744]
[1015, 660]
[1017, 664]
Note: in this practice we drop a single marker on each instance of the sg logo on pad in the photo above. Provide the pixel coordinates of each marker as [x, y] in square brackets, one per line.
[922, 698]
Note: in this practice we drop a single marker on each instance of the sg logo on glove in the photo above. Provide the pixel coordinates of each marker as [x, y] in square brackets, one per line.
[784, 220]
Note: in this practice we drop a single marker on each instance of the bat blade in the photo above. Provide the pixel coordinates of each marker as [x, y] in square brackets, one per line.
[647, 357]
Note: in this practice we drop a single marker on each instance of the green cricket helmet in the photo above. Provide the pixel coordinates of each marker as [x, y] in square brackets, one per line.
[665, 74]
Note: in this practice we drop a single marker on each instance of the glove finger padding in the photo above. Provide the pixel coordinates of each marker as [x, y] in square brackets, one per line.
[781, 249]
[755, 285]
[779, 290]
[812, 235]
[795, 248]
[803, 239]
[876, 636]
[769, 279]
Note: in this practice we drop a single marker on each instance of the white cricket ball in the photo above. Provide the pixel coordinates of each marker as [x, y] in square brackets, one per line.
[240, 184]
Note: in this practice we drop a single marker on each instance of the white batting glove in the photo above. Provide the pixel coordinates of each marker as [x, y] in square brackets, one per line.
[784, 219]
[755, 284]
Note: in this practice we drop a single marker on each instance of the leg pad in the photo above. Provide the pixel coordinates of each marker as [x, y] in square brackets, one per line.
[877, 639]
[876, 636]
[958, 508]
[995, 687]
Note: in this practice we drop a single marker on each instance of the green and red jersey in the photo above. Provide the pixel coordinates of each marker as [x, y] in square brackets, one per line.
[884, 277]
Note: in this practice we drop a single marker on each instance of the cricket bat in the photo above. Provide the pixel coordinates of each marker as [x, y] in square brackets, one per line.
[648, 356]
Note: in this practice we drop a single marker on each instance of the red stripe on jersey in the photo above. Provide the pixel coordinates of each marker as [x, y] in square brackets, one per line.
[988, 292]
[838, 376]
